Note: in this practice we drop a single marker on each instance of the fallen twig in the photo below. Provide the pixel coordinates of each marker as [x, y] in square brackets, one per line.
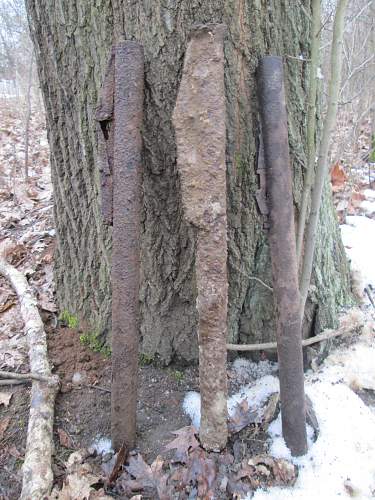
[103, 389]
[37, 468]
[12, 381]
[269, 346]
[28, 376]
[368, 293]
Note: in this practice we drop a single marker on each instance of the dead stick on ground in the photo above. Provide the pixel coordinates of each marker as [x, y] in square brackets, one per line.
[13, 381]
[270, 346]
[199, 120]
[27, 376]
[37, 468]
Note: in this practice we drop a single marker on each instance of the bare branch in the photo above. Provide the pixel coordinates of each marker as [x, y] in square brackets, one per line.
[322, 168]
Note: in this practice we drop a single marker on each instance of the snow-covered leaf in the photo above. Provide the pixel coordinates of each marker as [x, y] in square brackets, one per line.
[242, 416]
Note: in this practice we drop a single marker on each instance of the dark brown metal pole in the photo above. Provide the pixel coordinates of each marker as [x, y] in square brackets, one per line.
[127, 165]
[283, 252]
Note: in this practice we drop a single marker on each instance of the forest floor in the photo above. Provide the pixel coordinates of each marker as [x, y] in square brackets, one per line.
[255, 459]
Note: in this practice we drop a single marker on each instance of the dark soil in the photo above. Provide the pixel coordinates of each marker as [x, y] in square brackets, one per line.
[83, 410]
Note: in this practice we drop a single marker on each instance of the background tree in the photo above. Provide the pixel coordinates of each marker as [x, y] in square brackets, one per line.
[72, 41]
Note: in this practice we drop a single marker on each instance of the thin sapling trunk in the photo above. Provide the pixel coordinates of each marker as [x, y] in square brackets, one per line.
[322, 167]
[311, 121]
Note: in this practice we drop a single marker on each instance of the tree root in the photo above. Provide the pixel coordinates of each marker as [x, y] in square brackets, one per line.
[37, 468]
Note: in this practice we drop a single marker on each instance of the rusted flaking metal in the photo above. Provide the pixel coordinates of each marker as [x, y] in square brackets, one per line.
[125, 273]
[199, 121]
[283, 251]
[104, 132]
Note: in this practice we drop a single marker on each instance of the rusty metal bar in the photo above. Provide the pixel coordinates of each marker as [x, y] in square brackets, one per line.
[283, 252]
[104, 117]
[127, 175]
[199, 120]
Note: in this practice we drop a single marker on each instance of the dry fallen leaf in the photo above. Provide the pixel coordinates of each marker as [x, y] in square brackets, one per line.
[242, 417]
[338, 176]
[202, 471]
[3, 426]
[271, 409]
[357, 199]
[148, 476]
[141, 471]
[64, 439]
[184, 443]
[5, 398]
[284, 472]
[79, 482]
[122, 455]
[9, 302]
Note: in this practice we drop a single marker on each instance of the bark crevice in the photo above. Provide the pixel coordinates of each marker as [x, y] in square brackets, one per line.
[168, 287]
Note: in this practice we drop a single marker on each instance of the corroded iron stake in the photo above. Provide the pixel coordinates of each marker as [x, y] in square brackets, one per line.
[104, 117]
[199, 120]
[283, 252]
[127, 175]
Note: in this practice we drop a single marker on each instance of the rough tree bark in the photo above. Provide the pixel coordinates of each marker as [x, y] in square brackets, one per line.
[73, 41]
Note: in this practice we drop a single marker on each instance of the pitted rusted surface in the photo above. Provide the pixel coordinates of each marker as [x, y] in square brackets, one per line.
[104, 117]
[199, 120]
[283, 252]
[127, 176]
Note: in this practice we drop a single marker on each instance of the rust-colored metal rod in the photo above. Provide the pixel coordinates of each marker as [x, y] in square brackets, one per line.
[127, 175]
[199, 120]
[105, 117]
[283, 252]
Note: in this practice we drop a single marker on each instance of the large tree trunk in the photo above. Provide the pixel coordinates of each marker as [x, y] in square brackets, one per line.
[73, 41]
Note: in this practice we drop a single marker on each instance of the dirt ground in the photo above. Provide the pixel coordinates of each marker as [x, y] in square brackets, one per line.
[83, 404]
[83, 409]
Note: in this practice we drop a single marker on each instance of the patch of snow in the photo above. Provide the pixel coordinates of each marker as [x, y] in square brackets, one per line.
[256, 395]
[369, 194]
[192, 407]
[354, 366]
[247, 369]
[358, 235]
[102, 445]
[344, 450]
[368, 206]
